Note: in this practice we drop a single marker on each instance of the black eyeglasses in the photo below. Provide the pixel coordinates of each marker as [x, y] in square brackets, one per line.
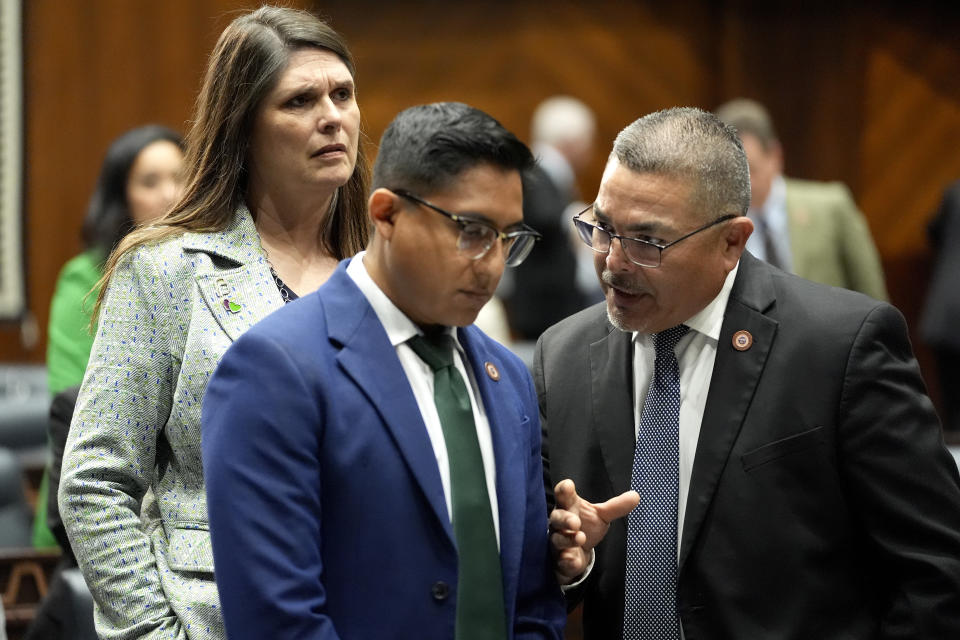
[639, 252]
[477, 236]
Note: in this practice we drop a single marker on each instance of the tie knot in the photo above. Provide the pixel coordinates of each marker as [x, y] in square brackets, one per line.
[666, 340]
[435, 350]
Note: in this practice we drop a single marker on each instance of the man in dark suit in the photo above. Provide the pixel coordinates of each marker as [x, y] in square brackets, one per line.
[941, 311]
[793, 478]
[373, 460]
[543, 291]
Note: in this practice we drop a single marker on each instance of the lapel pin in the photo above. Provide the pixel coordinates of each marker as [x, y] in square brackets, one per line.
[492, 371]
[231, 306]
[742, 340]
[222, 288]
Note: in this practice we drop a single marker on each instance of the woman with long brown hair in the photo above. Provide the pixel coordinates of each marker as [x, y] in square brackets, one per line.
[275, 195]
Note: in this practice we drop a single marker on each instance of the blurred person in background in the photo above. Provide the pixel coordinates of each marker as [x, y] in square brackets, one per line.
[812, 229]
[274, 197]
[940, 319]
[543, 289]
[139, 181]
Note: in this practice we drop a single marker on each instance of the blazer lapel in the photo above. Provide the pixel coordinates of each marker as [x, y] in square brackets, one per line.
[735, 378]
[240, 290]
[498, 403]
[367, 357]
[611, 379]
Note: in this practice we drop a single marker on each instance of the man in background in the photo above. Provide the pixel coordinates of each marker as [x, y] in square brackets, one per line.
[812, 229]
[543, 290]
[940, 319]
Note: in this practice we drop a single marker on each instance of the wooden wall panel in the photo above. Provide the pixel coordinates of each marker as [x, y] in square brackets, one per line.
[624, 59]
[861, 92]
[94, 68]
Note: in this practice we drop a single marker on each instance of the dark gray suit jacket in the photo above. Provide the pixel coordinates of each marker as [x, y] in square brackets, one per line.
[941, 313]
[822, 504]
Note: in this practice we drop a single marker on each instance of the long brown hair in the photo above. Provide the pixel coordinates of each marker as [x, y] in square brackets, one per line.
[245, 65]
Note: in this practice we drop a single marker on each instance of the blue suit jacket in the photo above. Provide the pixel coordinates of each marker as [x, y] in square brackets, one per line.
[327, 514]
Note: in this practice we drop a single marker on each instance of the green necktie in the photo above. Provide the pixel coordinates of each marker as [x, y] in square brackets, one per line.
[480, 606]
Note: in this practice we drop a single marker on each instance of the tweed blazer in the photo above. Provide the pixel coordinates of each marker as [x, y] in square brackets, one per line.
[829, 238]
[132, 493]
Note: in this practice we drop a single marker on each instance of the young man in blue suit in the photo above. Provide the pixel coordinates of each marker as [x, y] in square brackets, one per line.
[356, 491]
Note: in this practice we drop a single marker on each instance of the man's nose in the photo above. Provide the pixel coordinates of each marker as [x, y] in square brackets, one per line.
[617, 259]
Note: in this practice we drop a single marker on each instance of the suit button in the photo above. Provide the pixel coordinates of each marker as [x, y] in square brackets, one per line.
[440, 590]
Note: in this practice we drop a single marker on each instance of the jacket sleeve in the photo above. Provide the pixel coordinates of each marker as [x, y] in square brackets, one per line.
[68, 333]
[541, 610]
[902, 481]
[109, 459]
[864, 272]
[261, 454]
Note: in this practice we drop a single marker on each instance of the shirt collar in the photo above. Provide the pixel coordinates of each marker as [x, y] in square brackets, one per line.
[555, 165]
[709, 320]
[773, 211]
[398, 326]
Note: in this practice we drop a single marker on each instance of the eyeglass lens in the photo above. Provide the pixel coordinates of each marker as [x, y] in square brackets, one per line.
[476, 239]
[598, 239]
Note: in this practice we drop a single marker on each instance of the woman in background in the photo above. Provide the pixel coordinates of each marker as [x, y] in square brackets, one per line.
[139, 181]
[275, 196]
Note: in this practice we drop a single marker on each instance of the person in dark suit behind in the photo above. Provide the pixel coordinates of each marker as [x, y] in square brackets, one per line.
[793, 478]
[941, 310]
[343, 501]
[541, 290]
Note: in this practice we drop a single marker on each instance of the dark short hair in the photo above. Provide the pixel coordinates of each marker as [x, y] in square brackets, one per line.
[688, 143]
[108, 213]
[427, 146]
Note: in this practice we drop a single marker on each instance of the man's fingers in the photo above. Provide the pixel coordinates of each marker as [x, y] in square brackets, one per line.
[565, 493]
[561, 520]
[562, 541]
[571, 563]
[618, 506]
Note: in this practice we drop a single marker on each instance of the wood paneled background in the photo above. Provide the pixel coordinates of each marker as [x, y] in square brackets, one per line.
[867, 93]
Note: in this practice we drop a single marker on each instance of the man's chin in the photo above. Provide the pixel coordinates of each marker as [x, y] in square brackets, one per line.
[620, 320]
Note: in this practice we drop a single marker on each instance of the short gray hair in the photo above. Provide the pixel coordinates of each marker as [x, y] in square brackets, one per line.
[685, 142]
[751, 117]
[561, 119]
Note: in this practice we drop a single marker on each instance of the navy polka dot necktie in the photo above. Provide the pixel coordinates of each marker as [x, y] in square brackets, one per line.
[650, 604]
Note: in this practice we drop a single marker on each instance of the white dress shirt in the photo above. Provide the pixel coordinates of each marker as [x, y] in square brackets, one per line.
[696, 353]
[399, 329]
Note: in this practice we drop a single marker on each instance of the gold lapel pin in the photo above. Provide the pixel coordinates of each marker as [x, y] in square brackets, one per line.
[492, 371]
[742, 340]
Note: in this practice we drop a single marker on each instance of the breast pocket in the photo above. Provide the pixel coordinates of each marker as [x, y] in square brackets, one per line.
[789, 446]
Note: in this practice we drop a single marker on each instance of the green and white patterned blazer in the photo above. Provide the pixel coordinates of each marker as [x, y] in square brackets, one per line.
[132, 491]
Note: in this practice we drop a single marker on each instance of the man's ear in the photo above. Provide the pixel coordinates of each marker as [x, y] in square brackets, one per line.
[383, 206]
[735, 238]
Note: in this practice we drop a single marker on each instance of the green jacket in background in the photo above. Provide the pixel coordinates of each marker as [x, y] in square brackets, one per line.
[830, 241]
[69, 339]
[69, 342]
